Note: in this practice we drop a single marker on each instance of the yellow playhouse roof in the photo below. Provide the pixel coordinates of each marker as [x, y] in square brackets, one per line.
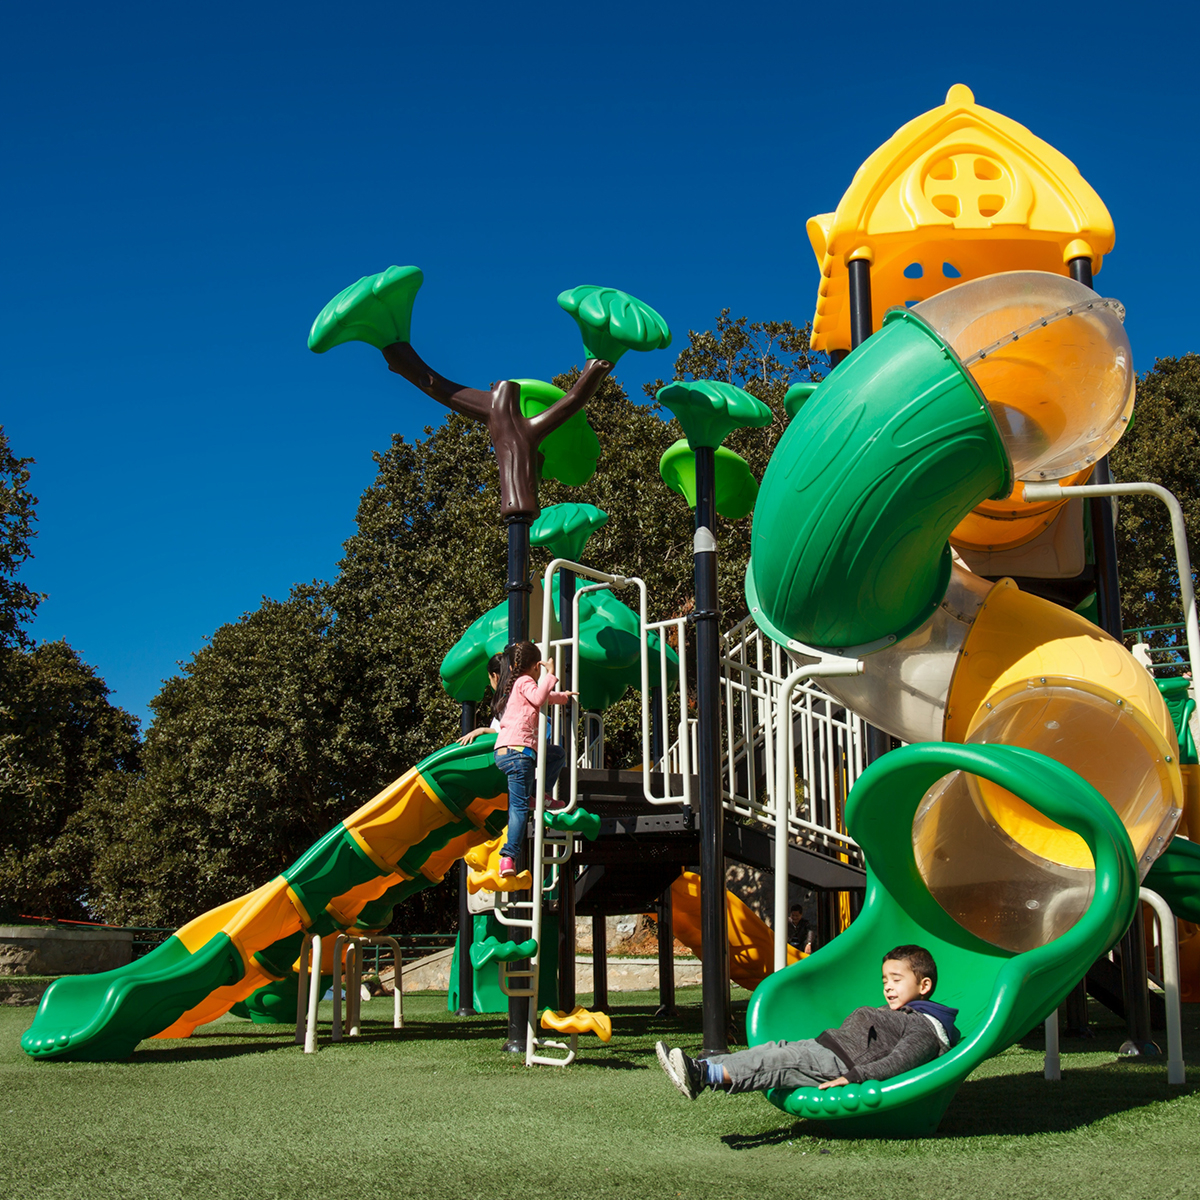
[959, 192]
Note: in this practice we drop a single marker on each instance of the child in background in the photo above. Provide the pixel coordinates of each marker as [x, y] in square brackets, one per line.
[520, 701]
[493, 672]
[871, 1043]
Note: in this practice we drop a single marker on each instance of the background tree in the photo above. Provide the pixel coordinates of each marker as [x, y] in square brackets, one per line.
[1163, 447]
[17, 504]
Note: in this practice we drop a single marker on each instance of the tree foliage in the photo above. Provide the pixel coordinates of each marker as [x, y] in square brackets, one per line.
[1162, 447]
[18, 602]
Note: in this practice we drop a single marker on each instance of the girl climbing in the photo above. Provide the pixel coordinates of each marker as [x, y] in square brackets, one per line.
[520, 701]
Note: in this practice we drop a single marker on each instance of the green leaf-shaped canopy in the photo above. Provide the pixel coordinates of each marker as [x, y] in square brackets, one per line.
[609, 654]
[376, 310]
[736, 487]
[571, 452]
[612, 322]
[709, 410]
[565, 528]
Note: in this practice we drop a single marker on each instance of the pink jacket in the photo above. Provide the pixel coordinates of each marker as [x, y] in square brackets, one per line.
[518, 726]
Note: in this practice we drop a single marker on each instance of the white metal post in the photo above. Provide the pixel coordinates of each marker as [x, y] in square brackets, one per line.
[335, 1032]
[302, 989]
[314, 996]
[1176, 1073]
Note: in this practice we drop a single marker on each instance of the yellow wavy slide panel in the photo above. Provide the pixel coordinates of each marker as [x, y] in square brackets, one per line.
[751, 942]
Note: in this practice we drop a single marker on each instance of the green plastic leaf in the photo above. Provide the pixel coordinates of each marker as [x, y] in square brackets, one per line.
[736, 489]
[565, 528]
[571, 452]
[376, 310]
[579, 821]
[710, 410]
[612, 322]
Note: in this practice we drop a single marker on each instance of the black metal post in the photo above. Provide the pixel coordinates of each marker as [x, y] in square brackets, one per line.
[666, 956]
[466, 972]
[518, 591]
[715, 971]
[566, 886]
[599, 964]
[859, 272]
[1081, 270]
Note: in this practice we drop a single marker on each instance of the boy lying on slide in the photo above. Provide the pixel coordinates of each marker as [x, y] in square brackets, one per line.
[871, 1043]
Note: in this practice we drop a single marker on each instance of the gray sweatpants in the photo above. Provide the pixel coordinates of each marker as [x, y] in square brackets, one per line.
[780, 1064]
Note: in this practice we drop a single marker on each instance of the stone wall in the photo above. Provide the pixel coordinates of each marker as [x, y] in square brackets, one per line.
[53, 950]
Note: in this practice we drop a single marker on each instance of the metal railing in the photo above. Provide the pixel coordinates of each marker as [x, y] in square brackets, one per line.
[824, 755]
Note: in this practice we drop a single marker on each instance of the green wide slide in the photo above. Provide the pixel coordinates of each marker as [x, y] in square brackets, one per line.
[1000, 995]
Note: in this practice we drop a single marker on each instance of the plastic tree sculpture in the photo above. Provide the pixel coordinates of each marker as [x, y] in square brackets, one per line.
[378, 310]
[709, 410]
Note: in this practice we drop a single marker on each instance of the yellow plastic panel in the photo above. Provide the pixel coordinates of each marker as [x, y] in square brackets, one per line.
[963, 186]
[579, 1020]
[1189, 823]
[751, 942]
[400, 817]
[1017, 636]
[1011, 522]
[492, 881]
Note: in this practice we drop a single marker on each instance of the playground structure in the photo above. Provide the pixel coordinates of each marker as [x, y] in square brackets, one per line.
[920, 574]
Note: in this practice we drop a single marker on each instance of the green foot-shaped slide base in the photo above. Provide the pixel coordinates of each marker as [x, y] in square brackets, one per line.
[492, 949]
[102, 1017]
[999, 995]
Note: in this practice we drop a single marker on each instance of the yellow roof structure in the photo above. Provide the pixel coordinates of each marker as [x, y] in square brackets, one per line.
[957, 193]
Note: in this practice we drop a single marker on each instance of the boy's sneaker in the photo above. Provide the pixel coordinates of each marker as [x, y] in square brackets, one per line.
[688, 1075]
[508, 868]
[664, 1061]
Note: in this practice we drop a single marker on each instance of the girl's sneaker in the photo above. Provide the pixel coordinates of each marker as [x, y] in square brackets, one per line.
[508, 868]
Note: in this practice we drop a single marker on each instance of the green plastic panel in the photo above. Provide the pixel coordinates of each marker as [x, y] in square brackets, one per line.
[999, 995]
[1175, 876]
[612, 322]
[376, 310]
[492, 949]
[460, 774]
[710, 410]
[100, 1018]
[1181, 706]
[571, 452]
[564, 529]
[850, 541]
[736, 488]
[330, 868]
[580, 821]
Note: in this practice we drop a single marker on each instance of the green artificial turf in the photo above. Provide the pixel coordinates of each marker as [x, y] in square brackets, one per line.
[437, 1111]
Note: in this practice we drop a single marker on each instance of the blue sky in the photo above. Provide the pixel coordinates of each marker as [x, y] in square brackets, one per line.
[188, 185]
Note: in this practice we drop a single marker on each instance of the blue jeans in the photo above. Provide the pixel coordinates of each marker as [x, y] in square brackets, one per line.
[519, 763]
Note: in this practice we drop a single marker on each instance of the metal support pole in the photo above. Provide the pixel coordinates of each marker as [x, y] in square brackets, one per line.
[518, 590]
[666, 956]
[1075, 1012]
[466, 924]
[1170, 956]
[566, 880]
[599, 964]
[713, 932]
[859, 272]
[1081, 270]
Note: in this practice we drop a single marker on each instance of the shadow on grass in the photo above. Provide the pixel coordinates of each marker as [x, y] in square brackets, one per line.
[1013, 1106]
